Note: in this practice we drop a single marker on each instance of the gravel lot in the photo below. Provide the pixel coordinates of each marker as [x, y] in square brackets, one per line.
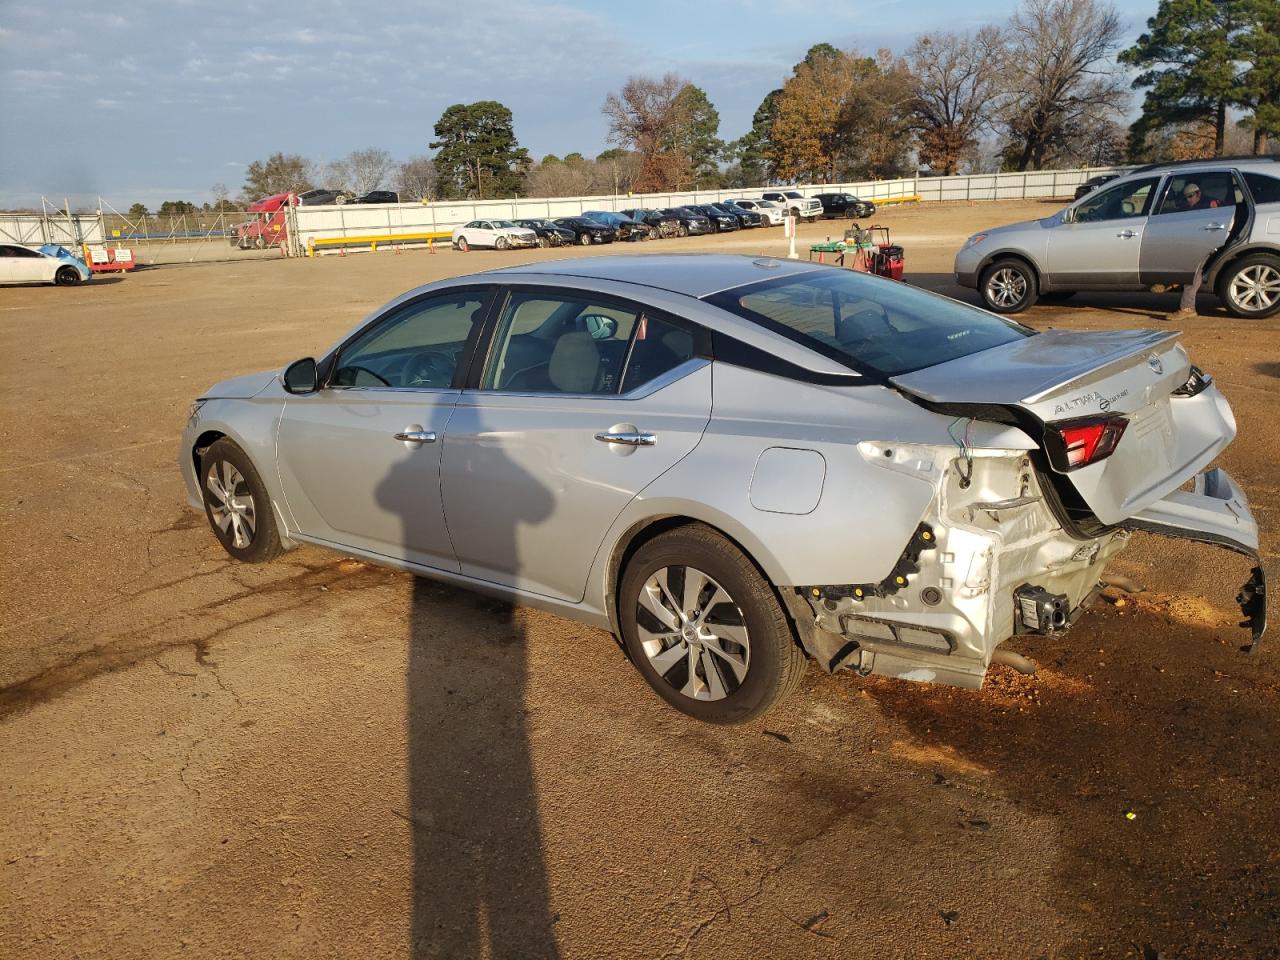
[319, 758]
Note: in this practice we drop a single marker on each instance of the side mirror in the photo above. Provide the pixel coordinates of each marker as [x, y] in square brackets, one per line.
[1069, 215]
[301, 376]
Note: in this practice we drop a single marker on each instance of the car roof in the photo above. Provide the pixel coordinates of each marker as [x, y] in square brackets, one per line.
[1244, 162]
[691, 274]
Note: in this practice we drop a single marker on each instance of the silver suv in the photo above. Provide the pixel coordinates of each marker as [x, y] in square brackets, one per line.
[1149, 229]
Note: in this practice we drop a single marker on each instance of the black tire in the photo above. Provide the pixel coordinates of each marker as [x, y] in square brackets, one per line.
[1009, 286]
[67, 277]
[260, 242]
[585, 239]
[654, 233]
[773, 663]
[682, 230]
[463, 245]
[1246, 285]
[1057, 296]
[256, 516]
[543, 242]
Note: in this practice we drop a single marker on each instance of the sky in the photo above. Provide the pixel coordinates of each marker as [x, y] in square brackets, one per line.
[156, 100]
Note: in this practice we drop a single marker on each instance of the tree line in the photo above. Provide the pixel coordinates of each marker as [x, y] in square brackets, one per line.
[1048, 88]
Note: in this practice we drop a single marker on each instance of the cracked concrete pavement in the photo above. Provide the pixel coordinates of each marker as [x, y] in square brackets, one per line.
[321, 758]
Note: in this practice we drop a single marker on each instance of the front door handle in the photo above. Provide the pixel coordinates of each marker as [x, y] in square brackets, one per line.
[628, 439]
[414, 436]
[1126, 234]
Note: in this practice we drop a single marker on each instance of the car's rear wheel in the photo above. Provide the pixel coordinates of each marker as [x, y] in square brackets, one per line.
[705, 629]
[1250, 287]
[1009, 286]
[463, 245]
[237, 504]
[66, 277]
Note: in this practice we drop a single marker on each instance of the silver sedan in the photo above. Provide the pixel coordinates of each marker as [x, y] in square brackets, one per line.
[736, 465]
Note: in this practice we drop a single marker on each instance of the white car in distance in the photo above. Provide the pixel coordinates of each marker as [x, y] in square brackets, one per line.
[499, 234]
[772, 213]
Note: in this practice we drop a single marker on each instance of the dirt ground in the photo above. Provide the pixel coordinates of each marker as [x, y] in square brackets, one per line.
[320, 758]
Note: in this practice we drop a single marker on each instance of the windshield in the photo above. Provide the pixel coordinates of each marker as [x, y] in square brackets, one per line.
[869, 323]
[503, 225]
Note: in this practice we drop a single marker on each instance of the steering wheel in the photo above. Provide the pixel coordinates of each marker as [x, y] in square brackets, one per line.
[430, 368]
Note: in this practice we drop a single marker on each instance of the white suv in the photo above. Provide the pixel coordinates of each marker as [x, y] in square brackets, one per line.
[770, 212]
[804, 207]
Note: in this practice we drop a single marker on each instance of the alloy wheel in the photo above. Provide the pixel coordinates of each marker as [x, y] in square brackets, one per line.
[232, 506]
[693, 633]
[1006, 287]
[1255, 288]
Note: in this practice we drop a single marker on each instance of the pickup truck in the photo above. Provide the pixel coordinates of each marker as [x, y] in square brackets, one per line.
[804, 207]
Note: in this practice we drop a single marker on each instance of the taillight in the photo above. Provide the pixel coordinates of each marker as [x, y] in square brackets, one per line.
[1082, 442]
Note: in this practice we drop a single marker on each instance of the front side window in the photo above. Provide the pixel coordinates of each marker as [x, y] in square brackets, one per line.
[1200, 191]
[866, 323]
[420, 346]
[1122, 202]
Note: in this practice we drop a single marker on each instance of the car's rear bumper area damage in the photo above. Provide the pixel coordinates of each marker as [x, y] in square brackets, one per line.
[989, 562]
[1215, 512]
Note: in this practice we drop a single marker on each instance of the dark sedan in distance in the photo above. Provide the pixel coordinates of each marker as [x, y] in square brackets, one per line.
[660, 225]
[837, 205]
[689, 222]
[375, 196]
[1093, 183]
[623, 226]
[721, 221]
[549, 235]
[587, 231]
[746, 218]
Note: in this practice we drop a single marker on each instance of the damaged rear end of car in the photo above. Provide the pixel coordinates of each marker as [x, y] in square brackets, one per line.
[1057, 446]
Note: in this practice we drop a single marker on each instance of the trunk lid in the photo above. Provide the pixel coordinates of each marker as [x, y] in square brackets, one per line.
[1060, 376]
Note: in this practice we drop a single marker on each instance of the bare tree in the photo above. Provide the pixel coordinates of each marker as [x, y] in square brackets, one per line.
[416, 179]
[955, 81]
[1058, 72]
[361, 170]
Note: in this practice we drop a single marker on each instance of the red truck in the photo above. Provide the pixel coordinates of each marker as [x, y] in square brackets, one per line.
[267, 228]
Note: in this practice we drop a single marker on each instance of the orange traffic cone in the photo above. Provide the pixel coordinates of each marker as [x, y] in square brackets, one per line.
[342, 251]
[821, 257]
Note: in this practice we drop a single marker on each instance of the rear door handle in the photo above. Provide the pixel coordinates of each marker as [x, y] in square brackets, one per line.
[1126, 234]
[415, 435]
[628, 439]
[1216, 226]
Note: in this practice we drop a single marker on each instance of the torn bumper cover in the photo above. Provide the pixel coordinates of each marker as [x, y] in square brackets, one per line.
[1215, 512]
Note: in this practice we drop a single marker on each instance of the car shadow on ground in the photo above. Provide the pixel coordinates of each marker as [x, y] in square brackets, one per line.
[1165, 848]
[1148, 306]
[1268, 369]
[479, 875]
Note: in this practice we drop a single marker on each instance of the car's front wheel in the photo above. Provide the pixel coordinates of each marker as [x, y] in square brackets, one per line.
[237, 504]
[66, 277]
[463, 245]
[1250, 287]
[585, 239]
[543, 242]
[1009, 286]
[705, 629]
[502, 243]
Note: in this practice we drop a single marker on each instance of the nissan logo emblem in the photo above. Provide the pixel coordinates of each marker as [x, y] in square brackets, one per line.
[1154, 363]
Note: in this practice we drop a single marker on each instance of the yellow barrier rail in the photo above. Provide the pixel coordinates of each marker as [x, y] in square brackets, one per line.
[885, 201]
[373, 240]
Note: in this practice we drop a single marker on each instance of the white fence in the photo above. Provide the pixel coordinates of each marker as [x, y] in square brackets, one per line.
[33, 230]
[362, 223]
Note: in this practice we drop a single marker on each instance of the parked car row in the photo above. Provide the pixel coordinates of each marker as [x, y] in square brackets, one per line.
[640, 223]
[319, 197]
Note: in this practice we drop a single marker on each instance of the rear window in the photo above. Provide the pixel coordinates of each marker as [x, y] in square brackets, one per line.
[1264, 189]
[867, 323]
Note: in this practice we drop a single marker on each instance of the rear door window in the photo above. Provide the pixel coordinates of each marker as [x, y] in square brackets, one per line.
[866, 323]
[1200, 191]
[1263, 188]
